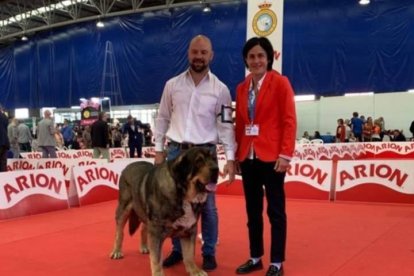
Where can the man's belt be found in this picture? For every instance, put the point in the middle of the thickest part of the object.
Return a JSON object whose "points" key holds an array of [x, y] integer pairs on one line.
{"points": [[185, 146]]}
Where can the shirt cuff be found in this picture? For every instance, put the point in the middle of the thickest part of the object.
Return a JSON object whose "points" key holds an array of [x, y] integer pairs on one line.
{"points": [[286, 157], [159, 147], [230, 155]]}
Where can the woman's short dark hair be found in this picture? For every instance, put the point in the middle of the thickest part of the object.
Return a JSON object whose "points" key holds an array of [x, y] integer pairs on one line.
{"points": [[265, 44]]}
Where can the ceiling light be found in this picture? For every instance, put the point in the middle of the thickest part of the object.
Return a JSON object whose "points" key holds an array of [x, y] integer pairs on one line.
{"points": [[207, 8], [24, 38], [100, 24], [302, 98], [364, 2], [370, 93]]}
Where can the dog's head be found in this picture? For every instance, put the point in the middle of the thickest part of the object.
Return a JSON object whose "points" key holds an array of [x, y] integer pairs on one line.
{"points": [[195, 167]]}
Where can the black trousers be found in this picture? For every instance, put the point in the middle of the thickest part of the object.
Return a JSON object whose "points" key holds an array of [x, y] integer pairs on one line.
{"points": [[3, 158], [133, 147], [256, 174]]}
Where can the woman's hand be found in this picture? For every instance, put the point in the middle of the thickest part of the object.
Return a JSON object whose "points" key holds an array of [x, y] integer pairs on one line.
{"points": [[281, 165]]}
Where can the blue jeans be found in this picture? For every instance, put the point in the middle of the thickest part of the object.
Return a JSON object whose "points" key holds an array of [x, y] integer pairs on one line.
{"points": [[209, 217]]}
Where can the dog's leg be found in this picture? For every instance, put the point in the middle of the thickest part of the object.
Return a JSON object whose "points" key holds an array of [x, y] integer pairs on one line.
{"points": [[187, 246], [143, 248], [155, 245], [122, 214]]}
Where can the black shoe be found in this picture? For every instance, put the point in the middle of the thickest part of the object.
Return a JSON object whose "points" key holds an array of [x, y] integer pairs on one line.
{"points": [[209, 263], [274, 271], [174, 258], [249, 266]]}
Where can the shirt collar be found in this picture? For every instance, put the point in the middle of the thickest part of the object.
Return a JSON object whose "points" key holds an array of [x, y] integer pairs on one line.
{"points": [[259, 84], [207, 76]]}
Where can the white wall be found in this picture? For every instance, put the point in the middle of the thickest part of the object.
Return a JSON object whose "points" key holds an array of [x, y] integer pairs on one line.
{"points": [[396, 108]]}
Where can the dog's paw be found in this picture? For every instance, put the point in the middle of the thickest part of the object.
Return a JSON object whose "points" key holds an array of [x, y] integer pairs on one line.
{"points": [[115, 255], [143, 249], [199, 273]]}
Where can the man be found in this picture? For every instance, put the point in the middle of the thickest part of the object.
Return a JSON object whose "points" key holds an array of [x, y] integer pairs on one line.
{"points": [[188, 116], [135, 136], [68, 134], [24, 137], [100, 137], [4, 140], [357, 125], [13, 137], [46, 136]]}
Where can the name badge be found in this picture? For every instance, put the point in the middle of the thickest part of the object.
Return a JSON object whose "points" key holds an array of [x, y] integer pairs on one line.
{"points": [[252, 130]]}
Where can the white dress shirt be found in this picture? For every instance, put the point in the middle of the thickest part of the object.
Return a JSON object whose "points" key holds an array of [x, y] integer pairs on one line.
{"points": [[190, 114], [258, 86]]}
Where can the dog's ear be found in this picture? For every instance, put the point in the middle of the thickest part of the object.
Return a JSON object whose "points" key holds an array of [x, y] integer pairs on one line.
{"points": [[181, 168]]}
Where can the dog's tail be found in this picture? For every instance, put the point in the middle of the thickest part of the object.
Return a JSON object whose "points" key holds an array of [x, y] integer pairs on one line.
{"points": [[134, 222]]}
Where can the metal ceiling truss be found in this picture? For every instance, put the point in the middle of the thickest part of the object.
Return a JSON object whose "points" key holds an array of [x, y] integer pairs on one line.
{"points": [[20, 18]]}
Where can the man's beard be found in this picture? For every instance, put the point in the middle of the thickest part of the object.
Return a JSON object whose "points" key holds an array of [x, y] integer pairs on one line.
{"points": [[198, 68]]}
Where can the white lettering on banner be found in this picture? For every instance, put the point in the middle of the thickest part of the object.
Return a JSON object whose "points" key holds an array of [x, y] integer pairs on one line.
{"points": [[19, 185], [317, 175], [397, 175]]}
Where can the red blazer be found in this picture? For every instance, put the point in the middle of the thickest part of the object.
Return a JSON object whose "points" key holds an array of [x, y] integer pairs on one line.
{"points": [[275, 115]]}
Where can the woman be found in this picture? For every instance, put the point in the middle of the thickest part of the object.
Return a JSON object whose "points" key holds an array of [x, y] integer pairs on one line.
{"points": [[340, 131], [367, 129], [265, 134]]}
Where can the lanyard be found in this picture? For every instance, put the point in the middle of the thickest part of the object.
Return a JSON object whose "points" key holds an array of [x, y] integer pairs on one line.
{"points": [[252, 103]]}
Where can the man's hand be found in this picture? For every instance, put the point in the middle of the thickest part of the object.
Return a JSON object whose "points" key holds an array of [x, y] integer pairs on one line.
{"points": [[230, 170], [159, 157]]}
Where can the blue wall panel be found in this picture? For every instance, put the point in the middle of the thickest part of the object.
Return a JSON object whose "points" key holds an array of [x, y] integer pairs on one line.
{"points": [[330, 47]]}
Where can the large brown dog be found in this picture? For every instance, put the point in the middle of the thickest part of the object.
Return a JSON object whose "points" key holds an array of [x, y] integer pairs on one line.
{"points": [[167, 199]]}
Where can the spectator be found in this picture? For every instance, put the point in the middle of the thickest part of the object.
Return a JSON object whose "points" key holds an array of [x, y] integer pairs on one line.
{"points": [[100, 137], [46, 136], [348, 130], [357, 125], [135, 136], [86, 135], [24, 137], [13, 137], [340, 131], [367, 130], [317, 135], [412, 129], [398, 136], [376, 131], [4, 140], [68, 134], [116, 137]]}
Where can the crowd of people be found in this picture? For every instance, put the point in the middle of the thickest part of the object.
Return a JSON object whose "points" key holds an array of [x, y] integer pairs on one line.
{"points": [[361, 129], [48, 137]]}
